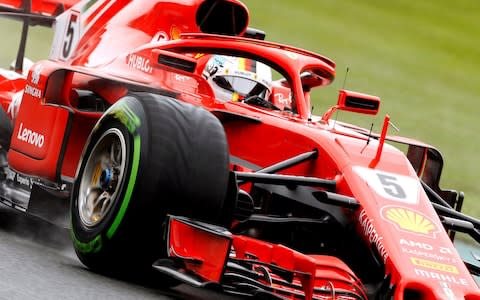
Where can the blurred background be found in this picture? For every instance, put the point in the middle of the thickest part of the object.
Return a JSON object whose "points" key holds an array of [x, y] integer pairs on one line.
{"points": [[421, 58]]}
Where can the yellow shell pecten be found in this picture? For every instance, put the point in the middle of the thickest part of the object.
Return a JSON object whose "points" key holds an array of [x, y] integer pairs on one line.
{"points": [[410, 221]]}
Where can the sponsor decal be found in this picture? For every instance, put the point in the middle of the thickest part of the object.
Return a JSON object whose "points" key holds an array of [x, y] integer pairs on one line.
{"points": [[372, 235], [429, 255], [185, 82], [36, 74], [15, 104], [414, 244], [33, 91], [181, 78], [31, 137], [280, 98], [441, 277], [428, 264], [245, 74], [17, 178], [140, 63], [409, 220], [425, 250], [175, 32], [425, 246], [24, 181], [448, 291]]}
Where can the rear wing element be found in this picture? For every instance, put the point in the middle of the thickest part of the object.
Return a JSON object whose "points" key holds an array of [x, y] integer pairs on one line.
{"points": [[31, 13], [41, 12]]}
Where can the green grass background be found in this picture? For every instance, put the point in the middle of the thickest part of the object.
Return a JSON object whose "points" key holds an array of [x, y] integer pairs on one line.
{"points": [[421, 57]]}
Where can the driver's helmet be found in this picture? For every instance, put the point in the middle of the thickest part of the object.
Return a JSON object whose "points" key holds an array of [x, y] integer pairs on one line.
{"points": [[237, 78]]}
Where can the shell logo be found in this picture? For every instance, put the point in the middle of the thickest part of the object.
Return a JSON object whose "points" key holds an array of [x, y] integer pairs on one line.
{"points": [[409, 220]]}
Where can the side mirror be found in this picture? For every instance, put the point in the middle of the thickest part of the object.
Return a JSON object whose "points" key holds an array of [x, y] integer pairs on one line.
{"points": [[354, 102], [358, 102]]}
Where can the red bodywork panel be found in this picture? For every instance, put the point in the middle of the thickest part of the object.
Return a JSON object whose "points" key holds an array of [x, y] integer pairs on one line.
{"points": [[120, 46], [39, 131]]}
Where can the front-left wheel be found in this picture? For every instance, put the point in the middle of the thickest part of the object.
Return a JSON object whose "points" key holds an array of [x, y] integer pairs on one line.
{"points": [[149, 155]]}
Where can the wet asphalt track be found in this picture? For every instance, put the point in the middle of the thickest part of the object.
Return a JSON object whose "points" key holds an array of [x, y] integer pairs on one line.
{"points": [[37, 261]]}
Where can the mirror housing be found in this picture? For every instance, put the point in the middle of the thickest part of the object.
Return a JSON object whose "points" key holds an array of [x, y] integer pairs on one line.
{"points": [[354, 102], [174, 60], [358, 102]]}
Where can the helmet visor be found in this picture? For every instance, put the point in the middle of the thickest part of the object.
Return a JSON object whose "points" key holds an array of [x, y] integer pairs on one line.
{"points": [[244, 87]]}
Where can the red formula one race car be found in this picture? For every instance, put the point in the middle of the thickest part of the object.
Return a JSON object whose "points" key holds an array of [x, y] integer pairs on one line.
{"points": [[170, 137]]}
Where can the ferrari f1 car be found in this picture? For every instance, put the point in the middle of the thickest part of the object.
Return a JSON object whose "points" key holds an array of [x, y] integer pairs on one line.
{"points": [[172, 138]]}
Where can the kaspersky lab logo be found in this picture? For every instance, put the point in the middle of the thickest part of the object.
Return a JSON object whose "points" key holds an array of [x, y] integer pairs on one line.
{"points": [[29, 136]]}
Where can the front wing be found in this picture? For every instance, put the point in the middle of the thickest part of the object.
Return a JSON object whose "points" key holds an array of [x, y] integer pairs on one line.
{"points": [[205, 255]]}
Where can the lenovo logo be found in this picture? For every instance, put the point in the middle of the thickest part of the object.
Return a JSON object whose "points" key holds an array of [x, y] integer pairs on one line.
{"points": [[29, 136]]}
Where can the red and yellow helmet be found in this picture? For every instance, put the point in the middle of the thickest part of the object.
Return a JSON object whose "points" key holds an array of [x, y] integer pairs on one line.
{"points": [[237, 78]]}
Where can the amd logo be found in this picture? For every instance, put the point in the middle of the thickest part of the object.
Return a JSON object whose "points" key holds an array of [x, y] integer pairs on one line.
{"points": [[29, 136]]}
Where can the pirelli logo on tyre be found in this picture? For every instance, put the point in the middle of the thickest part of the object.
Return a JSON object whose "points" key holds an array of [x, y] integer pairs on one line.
{"points": [[126, 116], [428, 264]]}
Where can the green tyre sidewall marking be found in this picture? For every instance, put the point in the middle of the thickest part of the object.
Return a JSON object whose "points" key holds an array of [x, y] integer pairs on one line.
{"points": [[91, 247], [131, 121], [131, 184]]}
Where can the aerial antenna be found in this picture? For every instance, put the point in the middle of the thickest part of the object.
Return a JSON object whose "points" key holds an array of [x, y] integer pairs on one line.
{"points": [[345, 78], [343, 87], [368, 139]]}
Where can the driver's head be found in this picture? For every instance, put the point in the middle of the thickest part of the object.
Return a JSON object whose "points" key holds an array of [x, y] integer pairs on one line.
{"points": [[237, 78]]}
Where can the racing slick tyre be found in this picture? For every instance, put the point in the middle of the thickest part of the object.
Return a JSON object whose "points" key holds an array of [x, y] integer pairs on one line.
{"points": [[149, 155]]}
